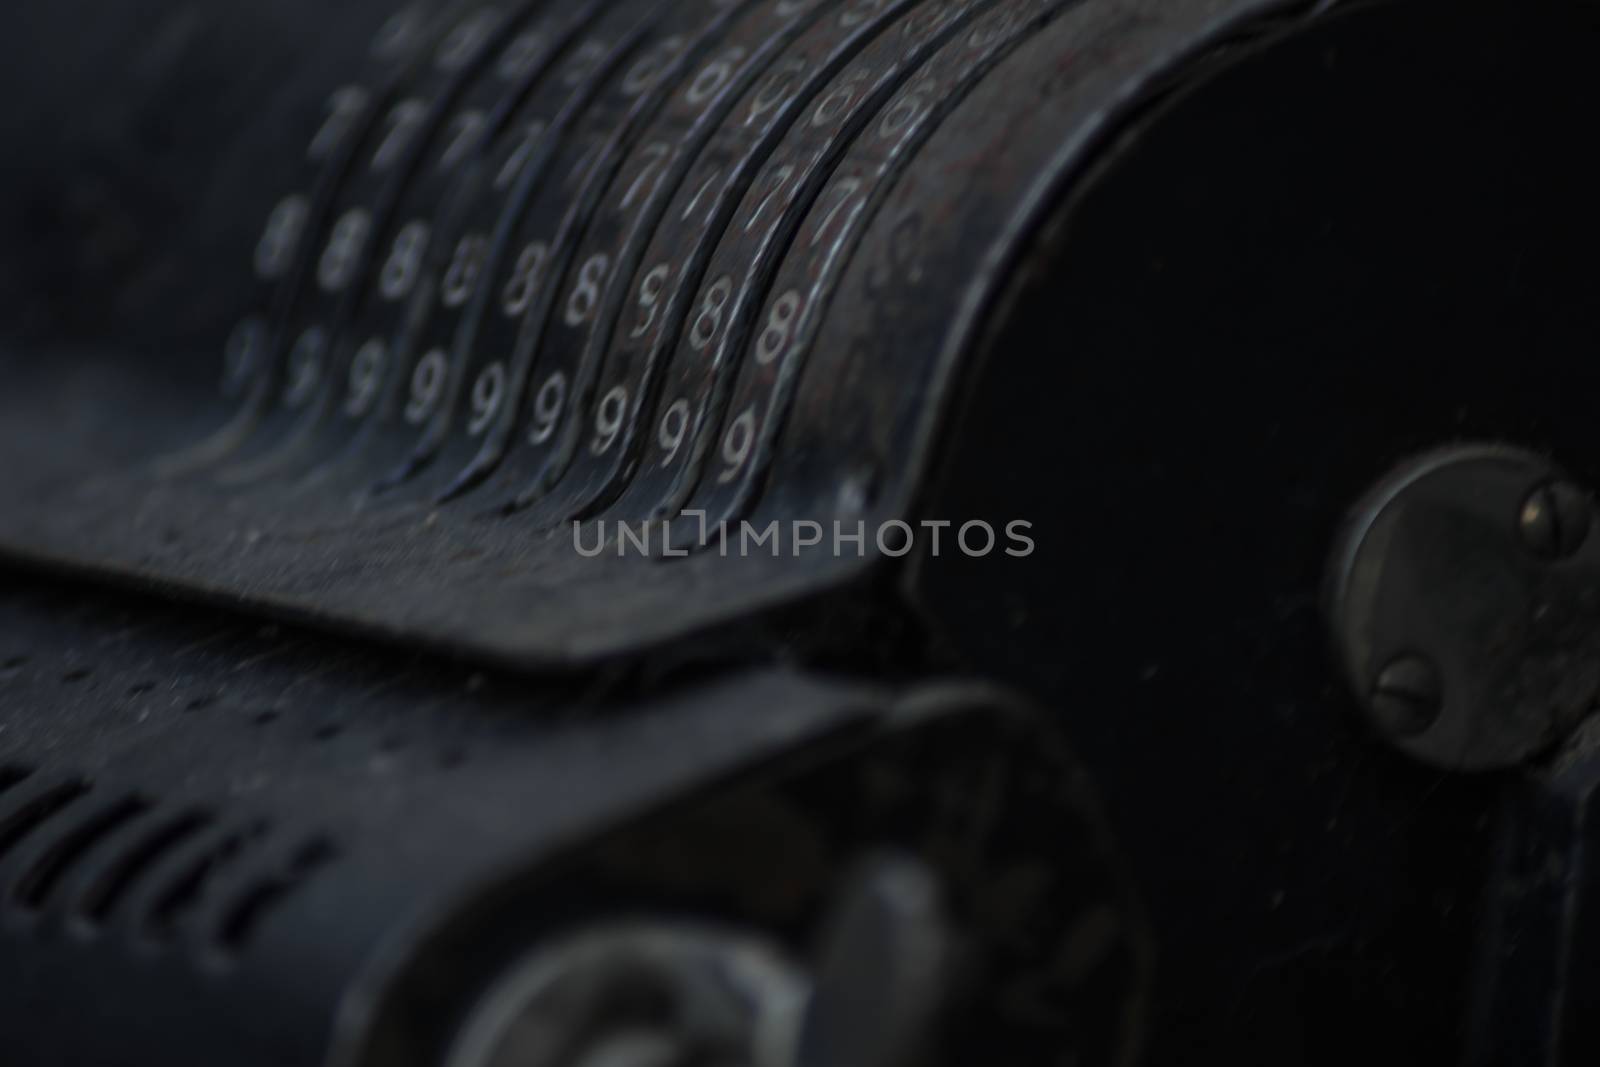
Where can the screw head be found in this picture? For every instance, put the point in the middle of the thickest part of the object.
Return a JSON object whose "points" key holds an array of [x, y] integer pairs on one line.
{"points": [[1408, 696], [1555, 519]]}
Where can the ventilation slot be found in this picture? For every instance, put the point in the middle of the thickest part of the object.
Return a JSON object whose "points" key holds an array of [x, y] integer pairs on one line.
{"points": [[189, 889], [34, 888], [120, 880], [256, 903], [36, 812]]}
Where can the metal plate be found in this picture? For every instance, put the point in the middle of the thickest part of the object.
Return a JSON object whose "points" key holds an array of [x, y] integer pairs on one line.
{"points": [[255, 844], [541, 272]]}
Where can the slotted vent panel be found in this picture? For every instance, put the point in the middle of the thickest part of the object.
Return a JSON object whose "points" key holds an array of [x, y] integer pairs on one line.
{"points": [[188, 890], [33, 812], [253, 906], [141, 856], [33, 890]]}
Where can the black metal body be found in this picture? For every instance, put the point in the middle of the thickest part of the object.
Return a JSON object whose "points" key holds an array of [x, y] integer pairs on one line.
{"points": [[1172, 282], [224, 841]]}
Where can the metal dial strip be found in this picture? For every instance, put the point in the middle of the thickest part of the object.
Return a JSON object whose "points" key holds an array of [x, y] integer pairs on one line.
{"points": [[686, 230], [862, 417], [540, 74], [720, 321], [693, 30], [824, 245], [843, 417], [608, 389], [594, 91], [535, 73], [282, 255], [484, 220], [362, 217], [627, 193], [484, 394], [372, 339], [731, 413]]}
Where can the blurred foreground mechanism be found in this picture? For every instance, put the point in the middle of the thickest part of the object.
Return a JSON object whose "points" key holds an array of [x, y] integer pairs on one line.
{"points": [[493, 494]]}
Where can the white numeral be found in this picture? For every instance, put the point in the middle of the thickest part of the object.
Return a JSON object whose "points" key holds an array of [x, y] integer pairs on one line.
{"points": [[674, 430], [654, 156], [463, 137], [709, 322], [521, 152], [521, 55], [780, 327], [400, 271], [366, 374], [305, 367], [714, 76], [344, 108], [461, 278], [525, 278], [780, 178], [487, 392], [609, 420], [647, 70], [427, 383], [340, 258], [404, 121], [586, 296], [463, 43], [843, 194], [650, 293], [396, 35], [240, 353], [547, 407], [737, 445], [280, 239]]}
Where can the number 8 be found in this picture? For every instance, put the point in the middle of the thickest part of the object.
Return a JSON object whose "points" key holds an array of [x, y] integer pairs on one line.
{"points": [[586, 297], [400, 272], [780, 326], [709, 323]]}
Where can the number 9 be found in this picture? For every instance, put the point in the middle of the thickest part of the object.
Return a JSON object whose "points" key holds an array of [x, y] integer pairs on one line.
{"points": [[427, 382], [366, 370], [674, 428], [487, 392], [608, 420], [737, 445]]}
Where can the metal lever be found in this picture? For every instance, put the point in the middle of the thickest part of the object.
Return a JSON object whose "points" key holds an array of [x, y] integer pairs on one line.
{"points": [[670, 994]]}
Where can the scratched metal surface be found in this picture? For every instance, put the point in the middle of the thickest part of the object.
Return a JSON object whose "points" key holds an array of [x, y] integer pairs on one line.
{"points": [[232, 841], [503, 268]]}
